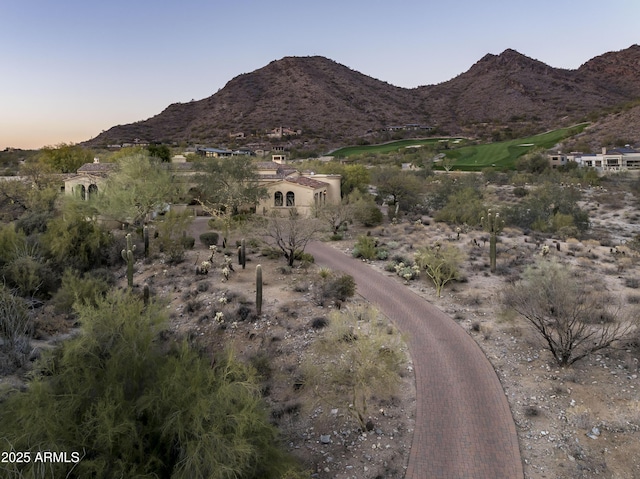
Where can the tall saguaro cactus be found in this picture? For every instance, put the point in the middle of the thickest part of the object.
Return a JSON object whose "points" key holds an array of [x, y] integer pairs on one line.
{"points": [[259, 290], [127, 255], [145, 235], [243, 253], [493, 224]]}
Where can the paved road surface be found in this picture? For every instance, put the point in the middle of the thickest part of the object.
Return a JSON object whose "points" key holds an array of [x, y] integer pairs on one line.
{"points": [[464, 427]]}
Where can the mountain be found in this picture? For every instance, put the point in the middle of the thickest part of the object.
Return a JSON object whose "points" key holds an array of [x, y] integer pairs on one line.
{"points": [[332, 104]]}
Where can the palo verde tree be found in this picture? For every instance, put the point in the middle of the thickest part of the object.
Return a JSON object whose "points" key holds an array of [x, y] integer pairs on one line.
{"points": [[139, 186], [572, 320], [441, 263], [123, 403], [225, 185], [65, 158], [361, 355]]}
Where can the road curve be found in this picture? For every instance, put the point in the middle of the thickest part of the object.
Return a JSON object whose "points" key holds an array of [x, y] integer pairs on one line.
{"points": [[464, 427]]}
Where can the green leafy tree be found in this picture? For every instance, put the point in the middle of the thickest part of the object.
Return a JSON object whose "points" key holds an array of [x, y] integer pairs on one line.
{"points": [[404, 188], [160, 152], [65, 158], [128, 408], [139, 186], [441, 263], [358, 355]]}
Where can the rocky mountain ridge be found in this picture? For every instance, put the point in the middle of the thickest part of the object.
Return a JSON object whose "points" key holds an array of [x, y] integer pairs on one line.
{"points": [[333, 105]]}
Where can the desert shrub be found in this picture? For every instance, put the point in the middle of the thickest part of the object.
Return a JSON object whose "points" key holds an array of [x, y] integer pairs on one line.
{"points": [[34, 222], [304, 257], [209, 238], [348, 368], [334, 288], [271, 252], [115, 395], [85, 288], [633, 283], [463, 207], [365, 247], [16, 329], [188, 242], [366, 212], [319, 322], [520, 192], [172, 240], [548, 209], [382, 254], [29, 272], [73, 241]]}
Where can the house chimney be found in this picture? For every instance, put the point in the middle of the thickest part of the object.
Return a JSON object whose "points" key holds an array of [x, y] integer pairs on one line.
{"points": [[604, 150], [96, 160]]}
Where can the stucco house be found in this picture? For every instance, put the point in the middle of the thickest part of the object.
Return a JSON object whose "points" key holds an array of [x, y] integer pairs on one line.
{"points": [[287, 187], [88, 179]]}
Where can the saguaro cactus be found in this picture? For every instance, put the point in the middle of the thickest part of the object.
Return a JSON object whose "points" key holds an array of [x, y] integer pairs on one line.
{"points": [[145, 235], [243, 253], [259, 290], [145, 294], [127, 255], [493, 224]]}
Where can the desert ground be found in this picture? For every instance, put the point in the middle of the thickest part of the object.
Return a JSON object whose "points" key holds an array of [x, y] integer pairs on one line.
{"points": [[580, 421]]}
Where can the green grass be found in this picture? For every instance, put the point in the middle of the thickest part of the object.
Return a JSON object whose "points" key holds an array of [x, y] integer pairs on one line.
{"points": [[501, 155], [505, 153], [389, 147]]}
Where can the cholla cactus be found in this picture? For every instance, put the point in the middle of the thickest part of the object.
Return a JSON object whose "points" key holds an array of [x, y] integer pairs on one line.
{"points": [[127, 255], [545, 250], [213, 248], [225, 273], [493, 224], [219, 317]]}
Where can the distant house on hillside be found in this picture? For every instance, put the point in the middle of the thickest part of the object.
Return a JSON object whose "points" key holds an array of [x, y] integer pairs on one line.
{"points": [[617, 159]]}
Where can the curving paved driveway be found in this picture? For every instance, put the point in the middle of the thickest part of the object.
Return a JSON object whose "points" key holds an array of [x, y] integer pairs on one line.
{"points": [[464, 427]]}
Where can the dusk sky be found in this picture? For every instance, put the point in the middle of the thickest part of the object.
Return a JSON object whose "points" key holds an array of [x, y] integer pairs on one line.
{"points": [[72, 68]]}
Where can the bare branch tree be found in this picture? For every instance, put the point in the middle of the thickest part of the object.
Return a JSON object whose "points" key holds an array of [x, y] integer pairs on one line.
{"points": [[291, 233], [573, 321]]}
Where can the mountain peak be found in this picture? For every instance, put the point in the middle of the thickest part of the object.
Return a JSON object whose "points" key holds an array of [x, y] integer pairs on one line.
{"points": [[332, 104]]}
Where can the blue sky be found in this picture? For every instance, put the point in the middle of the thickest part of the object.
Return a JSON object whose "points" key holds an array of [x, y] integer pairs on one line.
{"points": [[72, 68]]}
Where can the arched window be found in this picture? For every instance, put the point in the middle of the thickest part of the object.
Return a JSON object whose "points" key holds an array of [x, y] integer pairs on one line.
{"points": [[278, 200], [93, 190], [291, 198], [83, 192]]}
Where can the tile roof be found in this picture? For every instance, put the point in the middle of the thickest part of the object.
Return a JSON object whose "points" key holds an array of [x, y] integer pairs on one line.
{"points": [[96, 167], [309, 182]]}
